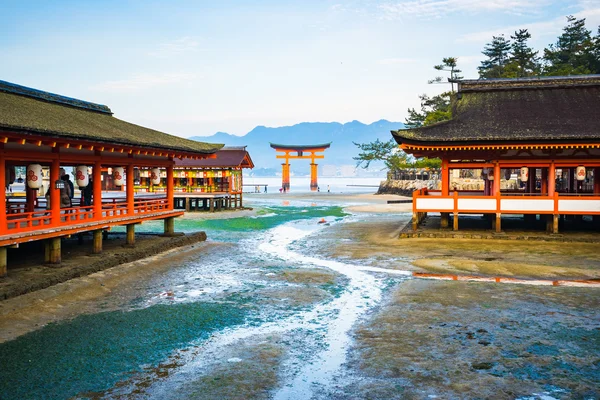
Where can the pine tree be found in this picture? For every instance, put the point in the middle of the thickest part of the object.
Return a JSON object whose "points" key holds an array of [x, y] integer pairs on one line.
{"points": [[524, 61], [573, 52], [498, 54], [448, 64]]}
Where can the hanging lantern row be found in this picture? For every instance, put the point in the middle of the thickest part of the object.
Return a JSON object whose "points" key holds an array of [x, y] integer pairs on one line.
{"points": [[34, 176], [118, 173], [580, 173], [82, 177], [524, 174]]}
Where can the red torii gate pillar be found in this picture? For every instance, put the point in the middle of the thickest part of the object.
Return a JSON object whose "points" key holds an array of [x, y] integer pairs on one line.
{"points": [[300, 154]]}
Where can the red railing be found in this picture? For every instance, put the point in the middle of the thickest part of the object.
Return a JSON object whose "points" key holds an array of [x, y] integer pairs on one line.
{"points": [[17, 220]]}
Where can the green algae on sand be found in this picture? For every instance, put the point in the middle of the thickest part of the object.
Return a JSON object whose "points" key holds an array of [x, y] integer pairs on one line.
{"points": [[93, 352]]}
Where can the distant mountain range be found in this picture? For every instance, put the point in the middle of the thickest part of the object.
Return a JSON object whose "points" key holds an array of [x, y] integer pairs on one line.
{"points": [[340, 135]]}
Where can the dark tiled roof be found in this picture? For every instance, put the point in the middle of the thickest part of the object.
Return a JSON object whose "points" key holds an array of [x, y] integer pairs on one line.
{"points": [[517, 110], [35, 112], [300, 147], [226, 158]]}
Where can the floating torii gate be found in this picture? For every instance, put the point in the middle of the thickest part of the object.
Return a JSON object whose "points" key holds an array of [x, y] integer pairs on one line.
{"points": [[300, 151]]}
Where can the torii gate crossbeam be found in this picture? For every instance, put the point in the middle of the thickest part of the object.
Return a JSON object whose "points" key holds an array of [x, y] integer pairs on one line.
{"points": [[288, 152]]}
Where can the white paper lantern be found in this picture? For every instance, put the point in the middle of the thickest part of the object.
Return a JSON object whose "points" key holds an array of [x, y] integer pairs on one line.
{"points": [[34, 176], [155, 176], [118, 174], [524, 174], [580, 173], [81, 176]]}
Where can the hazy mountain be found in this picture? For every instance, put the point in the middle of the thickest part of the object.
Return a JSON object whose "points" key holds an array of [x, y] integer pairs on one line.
{"points": [[341, 137]]}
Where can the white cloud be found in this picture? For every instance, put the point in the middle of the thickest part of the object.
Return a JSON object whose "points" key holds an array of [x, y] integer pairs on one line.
{"points": [[433, 9], [182, 45], [552, 27], [143, 81]]}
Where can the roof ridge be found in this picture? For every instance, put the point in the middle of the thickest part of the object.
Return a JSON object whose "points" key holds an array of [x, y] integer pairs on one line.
{"points": [[539, 82], [13, 88]]}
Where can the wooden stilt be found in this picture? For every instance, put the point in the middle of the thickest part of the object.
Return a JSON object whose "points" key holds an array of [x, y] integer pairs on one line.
{"points": [[3, 263], [444, 220], [455, 222], [130, 241], [555, 223], [187, 204], [53, 251], [169, 226], [212, 205], [498, 222], [97, 247], [415, 221]]}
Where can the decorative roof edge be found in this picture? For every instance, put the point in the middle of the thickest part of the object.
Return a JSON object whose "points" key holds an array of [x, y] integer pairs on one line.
{"points": [[300, 146], [540, 82], [13, 88]]}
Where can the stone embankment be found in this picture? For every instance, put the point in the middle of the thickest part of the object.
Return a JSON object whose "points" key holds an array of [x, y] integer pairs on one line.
{"points": [[406, 188]]}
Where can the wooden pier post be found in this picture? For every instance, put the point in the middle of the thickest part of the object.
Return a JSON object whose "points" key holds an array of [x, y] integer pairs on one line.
{"points": [[130, 241], [97, 247], [555, 223], [455, 221], [53, 251], [3, 262], [498, 222], [169, 226], [444, 220]]}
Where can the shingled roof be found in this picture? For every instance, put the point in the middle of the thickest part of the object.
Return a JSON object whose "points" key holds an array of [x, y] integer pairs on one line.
{"points": [[32, 111], [235, 157], [552, 109]]}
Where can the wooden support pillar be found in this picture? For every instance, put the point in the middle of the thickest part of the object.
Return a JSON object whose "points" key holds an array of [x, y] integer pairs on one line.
{"points": [[444, 220], [130, 194], [212, 205], [544, 186], [3, 262], [496, 179], [455, 222], [445, 178], [314, 185], [97, 247], [415, 221], [3, 222], [241, 200], [169, 226], [97, 189], [498, 222], [130, 241], [551, 179], [54, 193], [555, 223], [170, 188], [53, 251], [187, 203], [285, 175]]}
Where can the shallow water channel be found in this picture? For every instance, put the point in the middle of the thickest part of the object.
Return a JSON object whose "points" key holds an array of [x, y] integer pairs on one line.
{"points": [[268, 285]]}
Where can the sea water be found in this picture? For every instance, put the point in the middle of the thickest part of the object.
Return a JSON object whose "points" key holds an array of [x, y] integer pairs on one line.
{"points": [[209, 301]]}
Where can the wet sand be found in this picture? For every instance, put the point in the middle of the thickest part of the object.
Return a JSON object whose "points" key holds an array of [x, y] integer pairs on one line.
{"points": [[425, 338]]}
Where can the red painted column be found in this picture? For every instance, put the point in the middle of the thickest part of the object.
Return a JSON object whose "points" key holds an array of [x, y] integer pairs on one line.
{"points": [[496, 179], [97, 178], [170, 191], [544, 186], [313, 177], [129, 189], [445, 178], [54, 193], [551, 179], [3, 223], [285, 175]]}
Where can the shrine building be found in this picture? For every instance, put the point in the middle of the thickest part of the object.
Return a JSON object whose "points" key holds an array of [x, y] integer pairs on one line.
{"points": [[542, 134], [43, 131], [212, 183]]}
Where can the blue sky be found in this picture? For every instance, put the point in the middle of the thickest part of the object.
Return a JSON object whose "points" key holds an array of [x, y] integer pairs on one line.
{"points": [[198, 67]]}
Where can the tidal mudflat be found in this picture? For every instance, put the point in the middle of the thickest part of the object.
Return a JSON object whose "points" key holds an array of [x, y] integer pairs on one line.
{"points": [[313, 298]]}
